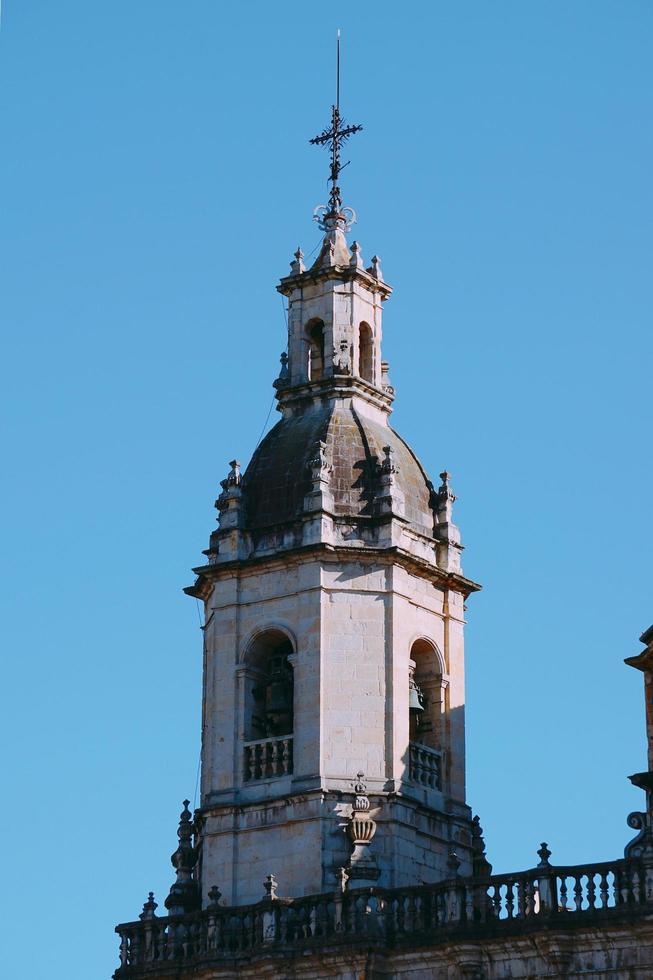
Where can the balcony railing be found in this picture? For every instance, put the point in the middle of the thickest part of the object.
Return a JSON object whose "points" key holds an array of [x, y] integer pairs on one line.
{"points": [[267, 758], [458, 907], [425, 765]]}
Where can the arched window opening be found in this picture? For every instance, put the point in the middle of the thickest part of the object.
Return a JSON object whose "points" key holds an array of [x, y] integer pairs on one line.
{"points": [[366, 353], [425, 694], [269, 687], [315, 336]]}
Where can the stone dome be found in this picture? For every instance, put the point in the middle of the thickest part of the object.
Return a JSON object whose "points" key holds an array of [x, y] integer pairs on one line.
{"points": [[279, 474]]}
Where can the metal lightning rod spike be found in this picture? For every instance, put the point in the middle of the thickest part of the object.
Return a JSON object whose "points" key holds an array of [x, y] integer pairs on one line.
{"points": [[338, 70]]}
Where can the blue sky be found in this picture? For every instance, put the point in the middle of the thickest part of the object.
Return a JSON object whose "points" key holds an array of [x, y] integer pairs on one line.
{"points": [[155, 179]]}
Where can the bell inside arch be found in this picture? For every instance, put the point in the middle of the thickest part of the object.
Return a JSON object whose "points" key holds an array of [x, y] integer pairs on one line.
{"points": [[416, 699], [279, 695], [415, 696]]}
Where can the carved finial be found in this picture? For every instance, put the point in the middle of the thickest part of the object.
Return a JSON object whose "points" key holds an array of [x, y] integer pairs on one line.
{"points": [[445, 488], [214, 896], [386, 383], [297, 266], [477, 835], [271, 885], [356, 256], [445, 499], [283, 378], [544, 854], [183, 896], [480, 864], [389, 465], [453, 863], [234, 478], [376, 268], [319, 465], [149, 908], [360, 830]]}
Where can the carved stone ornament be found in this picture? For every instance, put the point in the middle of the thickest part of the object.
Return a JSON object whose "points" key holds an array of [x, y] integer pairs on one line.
{"points": [[361, 827], [356, 256], [270, 885], [284, 375], [389, 465], [297, 266], [319, 465], [638, 820], [481, 867], [149, 908], [342, 358], [184, 896]]}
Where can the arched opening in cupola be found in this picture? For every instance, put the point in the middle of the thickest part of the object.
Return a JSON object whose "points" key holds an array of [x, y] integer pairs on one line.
{"points": [[315, 339], [366, 353]]}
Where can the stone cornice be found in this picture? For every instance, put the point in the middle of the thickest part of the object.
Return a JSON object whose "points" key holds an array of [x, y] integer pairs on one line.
{"points": [[342, 273], [207, 574], [336, 386]]}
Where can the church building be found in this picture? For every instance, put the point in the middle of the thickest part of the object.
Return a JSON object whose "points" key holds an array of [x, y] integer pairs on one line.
{"points": [[333, 836]]}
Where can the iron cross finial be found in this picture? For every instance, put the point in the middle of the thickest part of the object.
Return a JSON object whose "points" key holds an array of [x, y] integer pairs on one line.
{"points": [[337, 134]]}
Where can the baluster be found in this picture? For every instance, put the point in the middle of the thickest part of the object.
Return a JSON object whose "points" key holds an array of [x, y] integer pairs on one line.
{"points": [[510, 900], [148, 955], [635, 885], [285, 756], [621, 881], [163, 942], [123, 950], [591, 892], [496, 900], [276, 758], [468, 902], [521, 899], [400, 917], [481, 903], [135, 949], [211, 931], [322, 918], [529, 903], [411, 912], [603, 889], [427, 908], [563, 894], [578, 893], [441, 908], [183, 931]]}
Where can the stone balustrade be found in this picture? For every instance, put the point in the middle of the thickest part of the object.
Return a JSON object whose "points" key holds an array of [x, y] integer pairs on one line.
{"points": [[268, 758], [425, 765], [458, 907]]}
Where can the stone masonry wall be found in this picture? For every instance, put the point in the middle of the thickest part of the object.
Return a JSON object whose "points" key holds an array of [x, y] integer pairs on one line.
{"points": [[352, 624]]}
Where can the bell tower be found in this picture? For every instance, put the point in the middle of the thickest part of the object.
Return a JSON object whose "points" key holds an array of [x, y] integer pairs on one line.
{"points": [[333, 737]]}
